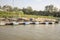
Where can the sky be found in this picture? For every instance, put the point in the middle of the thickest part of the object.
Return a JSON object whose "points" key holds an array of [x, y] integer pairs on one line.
{"points": [[35, 4]]}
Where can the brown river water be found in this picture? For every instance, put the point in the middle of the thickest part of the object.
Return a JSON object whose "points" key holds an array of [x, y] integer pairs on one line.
{"points": [[30, 32]]}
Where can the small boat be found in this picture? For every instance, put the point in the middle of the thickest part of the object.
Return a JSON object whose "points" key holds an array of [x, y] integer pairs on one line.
{"points": [[46, 22], [9, 23], [56, 21], [49, 22], [27, 23]]}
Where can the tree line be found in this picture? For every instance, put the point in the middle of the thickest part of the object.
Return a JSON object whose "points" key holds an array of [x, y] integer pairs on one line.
{"points": [[9, 11]]}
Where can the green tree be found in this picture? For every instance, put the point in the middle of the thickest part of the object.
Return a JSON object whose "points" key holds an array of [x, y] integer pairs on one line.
{"points": [[7, 8], [51, 8], [16, 9], [29, 8]]}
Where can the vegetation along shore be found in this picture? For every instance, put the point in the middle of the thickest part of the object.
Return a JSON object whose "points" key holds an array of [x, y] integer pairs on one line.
{"points": [[11, 14]]}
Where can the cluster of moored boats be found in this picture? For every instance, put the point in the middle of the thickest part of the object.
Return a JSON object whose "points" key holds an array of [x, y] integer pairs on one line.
{"points": [[25, 23]]}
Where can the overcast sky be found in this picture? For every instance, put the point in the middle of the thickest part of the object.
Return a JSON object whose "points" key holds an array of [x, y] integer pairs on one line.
{"points": [[35, 4]]}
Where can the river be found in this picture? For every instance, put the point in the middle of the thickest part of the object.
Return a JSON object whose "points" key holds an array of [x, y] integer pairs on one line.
{"points": [[30, 32]]}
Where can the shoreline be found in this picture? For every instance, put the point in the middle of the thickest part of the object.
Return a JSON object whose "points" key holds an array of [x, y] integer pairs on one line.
{"points": [[23, 21]]}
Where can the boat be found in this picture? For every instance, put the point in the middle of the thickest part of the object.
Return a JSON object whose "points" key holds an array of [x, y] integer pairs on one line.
{"points": [[9, 23], [46, 22], [27, 23]]}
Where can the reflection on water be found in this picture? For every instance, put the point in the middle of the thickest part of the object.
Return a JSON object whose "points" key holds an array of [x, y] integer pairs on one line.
{"points": [[30, 32]]}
